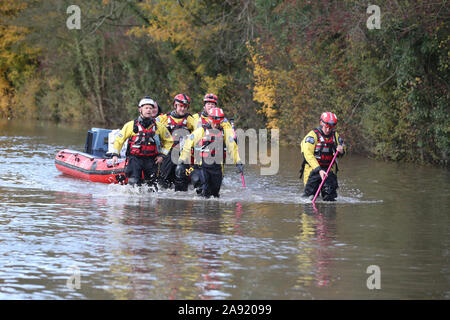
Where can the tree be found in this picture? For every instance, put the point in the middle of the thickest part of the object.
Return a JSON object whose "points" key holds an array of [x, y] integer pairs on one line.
{"points": [[17, 60]]}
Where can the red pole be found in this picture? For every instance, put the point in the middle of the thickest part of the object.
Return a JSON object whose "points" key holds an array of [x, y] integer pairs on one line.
{"points": [[243, 180], [326, 175]]}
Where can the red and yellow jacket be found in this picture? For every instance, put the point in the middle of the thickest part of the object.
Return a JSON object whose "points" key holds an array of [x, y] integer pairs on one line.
{"points": [[318, 150], [130, 130]]}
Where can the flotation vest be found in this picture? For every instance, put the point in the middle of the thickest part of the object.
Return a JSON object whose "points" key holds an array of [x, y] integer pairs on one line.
{"points": [[144, 142], [173, 124], [202, 121], [209, 137], [323, 150]]}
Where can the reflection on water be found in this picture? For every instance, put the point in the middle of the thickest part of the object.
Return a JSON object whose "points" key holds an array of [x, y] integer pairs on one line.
{"points": [[261, 242], [317, 230], [168, 253]]}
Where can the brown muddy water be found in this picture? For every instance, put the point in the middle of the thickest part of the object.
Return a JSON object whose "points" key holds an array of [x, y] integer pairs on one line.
{"points": [[63, 238]]}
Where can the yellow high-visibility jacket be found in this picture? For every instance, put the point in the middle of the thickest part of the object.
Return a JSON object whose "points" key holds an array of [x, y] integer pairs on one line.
{"points": [[308, 146], [191, 123], [198, 121], [127, 132], [195, 137]]}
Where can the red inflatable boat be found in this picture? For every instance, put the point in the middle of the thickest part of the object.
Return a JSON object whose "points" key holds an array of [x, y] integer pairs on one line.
{"points": [[94, 163], [88, 167]]}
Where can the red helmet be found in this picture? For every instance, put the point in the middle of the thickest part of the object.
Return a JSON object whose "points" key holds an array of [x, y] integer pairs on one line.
{"points": [[182, 98], [210, 97], [216, 115], [328, 119]]}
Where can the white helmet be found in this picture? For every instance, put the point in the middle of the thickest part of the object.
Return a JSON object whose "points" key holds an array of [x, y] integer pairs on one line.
{"points": [[146, 100]]}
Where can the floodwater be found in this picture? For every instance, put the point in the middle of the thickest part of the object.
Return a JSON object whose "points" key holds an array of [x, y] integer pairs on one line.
{"points": [[387, 236]]}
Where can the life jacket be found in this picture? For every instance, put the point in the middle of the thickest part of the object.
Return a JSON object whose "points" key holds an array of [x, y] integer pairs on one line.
{"points": [[202, 121], [208, 138], [144, 143], [173, 124], [323, 150]]}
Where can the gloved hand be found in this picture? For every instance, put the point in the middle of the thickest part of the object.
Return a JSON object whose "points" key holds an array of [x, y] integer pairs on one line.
{"points": [[180, 170], [114, 158], [240, 167]]}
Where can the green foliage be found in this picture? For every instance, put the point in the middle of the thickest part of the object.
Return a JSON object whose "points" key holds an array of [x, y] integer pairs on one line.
{"points": [[408, 117], [277, 64], [17, 58], [389, 87]]}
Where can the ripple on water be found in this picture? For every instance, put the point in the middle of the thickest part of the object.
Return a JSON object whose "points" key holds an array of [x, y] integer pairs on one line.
{"points": [[232, 192]]}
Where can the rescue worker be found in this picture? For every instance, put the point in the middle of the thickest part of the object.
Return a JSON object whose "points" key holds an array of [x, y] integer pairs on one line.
{"points": [[210, 101], [149, 142], [318, 148], [156, 111], [209, 141], [179, 123]]}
